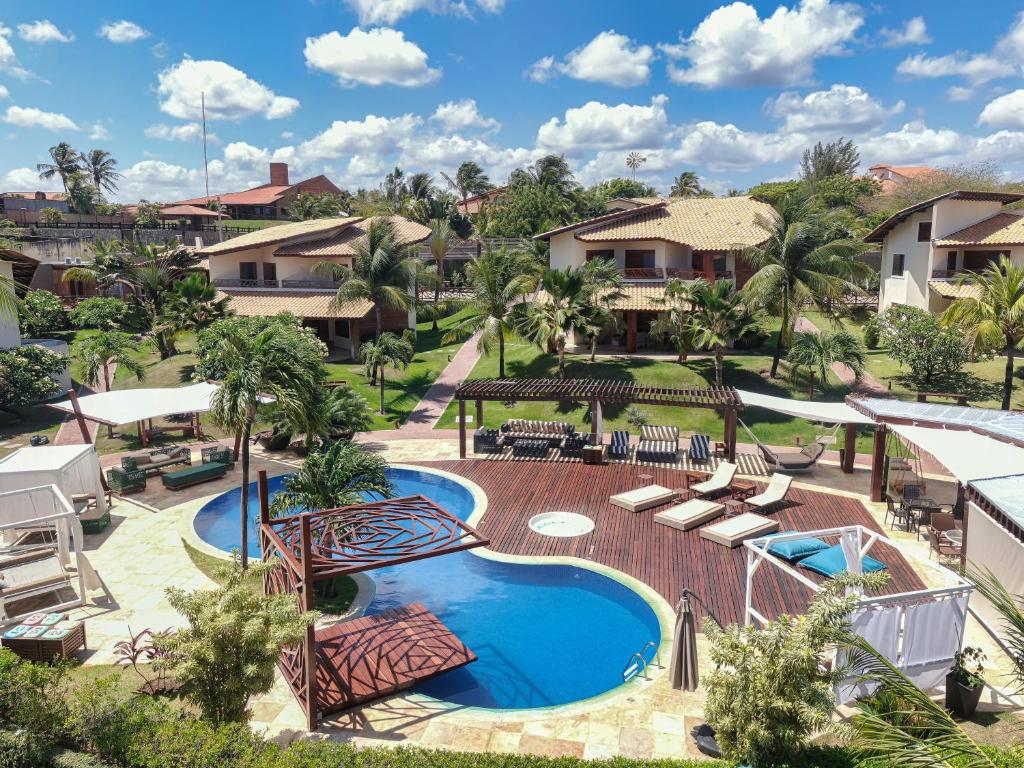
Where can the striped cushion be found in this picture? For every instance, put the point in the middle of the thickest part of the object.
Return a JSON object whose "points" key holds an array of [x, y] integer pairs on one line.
{"points": [[700, 447]]}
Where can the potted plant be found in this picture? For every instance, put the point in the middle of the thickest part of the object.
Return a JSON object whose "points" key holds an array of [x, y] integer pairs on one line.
{"points": [[964, 682]]}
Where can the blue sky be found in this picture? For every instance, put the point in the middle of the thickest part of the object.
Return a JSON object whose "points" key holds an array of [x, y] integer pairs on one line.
{"points": [[352, 87]]}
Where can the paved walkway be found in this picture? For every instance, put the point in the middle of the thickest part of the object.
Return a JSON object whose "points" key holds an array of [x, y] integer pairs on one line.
{"points": [[430, 409], [69, 433], [868, 385]]}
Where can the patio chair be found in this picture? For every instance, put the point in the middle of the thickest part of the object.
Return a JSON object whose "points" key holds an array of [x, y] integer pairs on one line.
{"points": [[619, 447], [700, 448], [718, 483], [937, 543], [772, 496], [29, 574]]}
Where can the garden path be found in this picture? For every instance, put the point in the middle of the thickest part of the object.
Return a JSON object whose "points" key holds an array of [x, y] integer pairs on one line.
{"points": [[868, 385]]}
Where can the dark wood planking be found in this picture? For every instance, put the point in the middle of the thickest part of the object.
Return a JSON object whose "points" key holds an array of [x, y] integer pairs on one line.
{"points": [[662, 557]]}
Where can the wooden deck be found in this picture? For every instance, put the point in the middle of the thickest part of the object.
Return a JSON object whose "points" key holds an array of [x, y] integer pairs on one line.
{"points": [[664, 558]]}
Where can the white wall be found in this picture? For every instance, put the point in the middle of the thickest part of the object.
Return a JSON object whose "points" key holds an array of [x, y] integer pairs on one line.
{"points": [[10, 333], [567, 251], [912, 287], [953, 215], [990, 545]]}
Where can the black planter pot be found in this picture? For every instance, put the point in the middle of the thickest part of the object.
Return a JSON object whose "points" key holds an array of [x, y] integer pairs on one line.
{"points": [[962, 699]]}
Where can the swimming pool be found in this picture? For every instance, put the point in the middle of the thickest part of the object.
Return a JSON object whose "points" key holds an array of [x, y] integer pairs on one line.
{"points": [[544, 634]]}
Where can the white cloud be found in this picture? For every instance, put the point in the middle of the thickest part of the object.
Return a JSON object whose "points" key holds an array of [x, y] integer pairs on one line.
{"points": [[446, 153], [600, 126], [287, 135], [375, 57], [915, 143], [841, 107], [27, 180], [974, 68], [98, 132], [733, 46], [1004, 111], [959, 93], [43, 31], [30, 117], [8, 59], [455, 115], [185, 132], [914, 32], [230, 93], [390, 11], [608, 58], [372, 135], [4, 93], [122, 31], [726, 147]]}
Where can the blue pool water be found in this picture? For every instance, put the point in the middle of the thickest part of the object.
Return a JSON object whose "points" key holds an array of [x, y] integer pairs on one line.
{"points": [[543, 634]]}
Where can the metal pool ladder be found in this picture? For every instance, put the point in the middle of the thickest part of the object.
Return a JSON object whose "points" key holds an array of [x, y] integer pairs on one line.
{"points": [[638, 662]]}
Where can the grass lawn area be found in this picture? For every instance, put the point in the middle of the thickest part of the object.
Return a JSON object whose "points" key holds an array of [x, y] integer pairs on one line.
{"points": [[745, 371], [403, 389], [253, 223]]}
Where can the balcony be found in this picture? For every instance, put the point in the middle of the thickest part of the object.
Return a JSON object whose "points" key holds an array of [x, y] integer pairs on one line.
{"points": [[228, 282], [660, 274], [298, 285]]}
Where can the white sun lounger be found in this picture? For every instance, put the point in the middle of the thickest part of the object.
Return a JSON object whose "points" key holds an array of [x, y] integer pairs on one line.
{"points": [[736, 530], [774, 494], [690, 514], [640, 499], [719, 481]]}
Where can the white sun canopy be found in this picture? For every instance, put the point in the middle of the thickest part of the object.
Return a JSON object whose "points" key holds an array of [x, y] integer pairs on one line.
{"points": [[833, 413], [73, 469], [967, 455]]}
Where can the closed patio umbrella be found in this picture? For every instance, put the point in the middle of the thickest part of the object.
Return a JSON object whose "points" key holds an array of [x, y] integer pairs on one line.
{"points": [[683, 667]]}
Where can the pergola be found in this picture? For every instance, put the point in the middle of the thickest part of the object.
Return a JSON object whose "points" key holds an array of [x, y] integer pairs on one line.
{"points": [[595, 392], [343, 665]]}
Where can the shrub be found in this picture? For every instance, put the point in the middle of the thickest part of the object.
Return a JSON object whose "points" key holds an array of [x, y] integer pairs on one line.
{"points": [[25, 375], [33, 696], [185, 741], [106, 720], [66, 758], [99, 312], [42, 313], [915, 339], [21, 749], [872, 333], [50, 217]]}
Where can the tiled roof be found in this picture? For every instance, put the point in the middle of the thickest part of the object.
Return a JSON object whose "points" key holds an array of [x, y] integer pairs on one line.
{"points": [[299, 303], [644, 298], [703, 223], [604, 217], [343, 243], [1001, 229], [189, 210], [265, 194], [278, 234], [878, 233], [31, 195], [949, 290]]}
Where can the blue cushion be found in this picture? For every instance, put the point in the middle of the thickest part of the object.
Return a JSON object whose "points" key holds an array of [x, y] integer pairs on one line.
{"points": [[700, 447], [795, 549], [832, 561]]}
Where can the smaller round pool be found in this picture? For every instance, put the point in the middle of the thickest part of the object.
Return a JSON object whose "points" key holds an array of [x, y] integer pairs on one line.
{"points": [[561, 524]]}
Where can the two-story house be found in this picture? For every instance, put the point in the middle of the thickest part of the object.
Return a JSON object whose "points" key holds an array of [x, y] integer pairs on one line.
{"points": [[269, 271], [927, 246], [653, 241]]}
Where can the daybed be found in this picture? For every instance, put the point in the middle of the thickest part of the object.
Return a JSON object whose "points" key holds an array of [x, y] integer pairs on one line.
{"points": [[832, 561], [28, 574], [735, 530], [192, 475], [718, 483], [690, 514], [640, 499], [158, 459], [526, 429], [793, 461], [657, 451], [772, 496]]}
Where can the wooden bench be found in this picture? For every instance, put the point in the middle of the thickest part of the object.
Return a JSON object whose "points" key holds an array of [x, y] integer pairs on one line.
{"points": [[198, 473]]}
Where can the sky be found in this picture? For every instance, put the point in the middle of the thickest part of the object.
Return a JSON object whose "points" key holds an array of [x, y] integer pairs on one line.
{"points": [[352, 88]]}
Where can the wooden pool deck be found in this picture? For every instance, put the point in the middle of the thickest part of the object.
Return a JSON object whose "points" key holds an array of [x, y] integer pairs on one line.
{"points": [[665, 559]]}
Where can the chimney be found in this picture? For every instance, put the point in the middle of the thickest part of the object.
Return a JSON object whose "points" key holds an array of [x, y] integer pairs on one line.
{"points": [[40, 195], [279, 174]]}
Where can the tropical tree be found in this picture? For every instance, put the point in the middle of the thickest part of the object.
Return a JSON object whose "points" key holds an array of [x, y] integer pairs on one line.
{"points": [[802, 261], [101, 168], [674, 325], [345, 412], [106, 314], [500, 281], [41, 312], [993, 317], [82, 196], [381, 272], [470, 179], [603, 285], [193, 304], [281, 362], [817, 352], [440, 242], [310, 205], [27, 376], [915, 338], [719, 318], [65, 161], [560, 311], [419, 187], [686, 184], [98, 354], [340, 474], [387, 349], [836, 158]]}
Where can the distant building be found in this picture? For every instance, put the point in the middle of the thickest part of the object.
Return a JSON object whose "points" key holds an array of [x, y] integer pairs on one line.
{"points": [[892, 176], [476, 203], [267, 201], [32, 201]]}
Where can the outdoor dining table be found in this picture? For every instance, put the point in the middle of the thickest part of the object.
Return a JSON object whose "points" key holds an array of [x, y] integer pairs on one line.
{"points": [[956, 536], [924, 505]]}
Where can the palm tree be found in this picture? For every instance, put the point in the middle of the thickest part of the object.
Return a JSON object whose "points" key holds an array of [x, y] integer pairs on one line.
{"points": [[718, 319], [470, 179], [335, 477], [801, 262], [500, 281], [686, 184], [388, 349], [66, 161], [563, 309], [266, 364], [381, 272], [193, 305], [674, 325], [818, 351], [420, 186], [345, 412], [553, 171], [101, 168], [440, 242], [98, 354], [993, 318], [603, 284]]}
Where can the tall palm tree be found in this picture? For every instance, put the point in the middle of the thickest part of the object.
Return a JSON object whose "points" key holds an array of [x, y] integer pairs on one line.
{"points": [[674, 324], [801, 262], [66, 161], [382, 272], [718, 319], [818, 351], [193, 304], [500, 281], [388, 349], [603, 286], [101, 168], [554, 171], [420, 186], [335, 477], [470, 179], [561, 311], [993, 318], [686, 184], [256, 366], [442, 238], [98, 354]]}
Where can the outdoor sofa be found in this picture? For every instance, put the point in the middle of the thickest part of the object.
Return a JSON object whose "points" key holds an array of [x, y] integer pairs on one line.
{"points": [[192, 475], [157, 459], [657, 451], [528, 429], [487, 441], [123, 480]]}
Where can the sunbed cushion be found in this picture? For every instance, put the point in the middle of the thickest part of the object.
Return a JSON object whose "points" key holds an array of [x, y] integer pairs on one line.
{"points": [[831, 561], [643, 498], [736, 530], [700, 448], [796, 549], [689, 514]]}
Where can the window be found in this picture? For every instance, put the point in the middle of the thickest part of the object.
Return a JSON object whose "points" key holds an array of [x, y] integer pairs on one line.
{"points": [[897, 264], [951, 261], [924, 231], [247, 270], [721, 265], [639, 259], [603, 253], [697, 262], [269, 271]]}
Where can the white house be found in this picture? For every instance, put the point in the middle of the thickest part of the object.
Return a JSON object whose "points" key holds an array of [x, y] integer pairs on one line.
{"points": [[927, 246]]}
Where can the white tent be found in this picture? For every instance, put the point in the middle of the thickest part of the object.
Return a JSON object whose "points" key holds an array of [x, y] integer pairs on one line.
{"points": [[124, 406], [74, 469], [831, 413], [967, 455]]}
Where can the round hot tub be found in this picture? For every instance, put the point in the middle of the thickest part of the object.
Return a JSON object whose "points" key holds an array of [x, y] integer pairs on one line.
{"points": [[561, 524]]}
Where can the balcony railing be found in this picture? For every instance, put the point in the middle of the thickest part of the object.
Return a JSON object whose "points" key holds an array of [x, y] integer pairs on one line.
{"points": [[230, 282], [643, 273], [659, 274], [322, 285]]}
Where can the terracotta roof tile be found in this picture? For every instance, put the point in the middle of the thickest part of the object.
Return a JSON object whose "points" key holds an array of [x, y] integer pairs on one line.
{"points": [[1001, 229], [279, 234], [189, 210], [645, 298], [951, 290], [299, 303], [343, 243], [266, 194]]}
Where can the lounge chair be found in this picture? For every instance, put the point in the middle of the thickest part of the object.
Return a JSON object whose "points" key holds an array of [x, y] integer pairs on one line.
{"points": [[832, 561], [619, 448], [640, 499], [657, 451], [700, 448], [792, 461], [690, 514], [772, 496], [29, 574], [735, 530], [125, 481], [718, 483]]}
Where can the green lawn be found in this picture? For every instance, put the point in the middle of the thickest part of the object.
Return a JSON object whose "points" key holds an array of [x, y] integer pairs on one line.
{"points": [[253, 223], [403, 389]]}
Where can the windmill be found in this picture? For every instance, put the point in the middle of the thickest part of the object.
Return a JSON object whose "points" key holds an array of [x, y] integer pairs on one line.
{"points": [[634, 160]]}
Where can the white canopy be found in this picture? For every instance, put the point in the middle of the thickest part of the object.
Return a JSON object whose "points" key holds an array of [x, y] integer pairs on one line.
{"points": [[967, 455], [833, 413], [74, 469], [123, 406]]}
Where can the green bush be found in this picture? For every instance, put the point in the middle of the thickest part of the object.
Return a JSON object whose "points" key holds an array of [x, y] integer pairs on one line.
{"points": [[105, 719], [872, 333], [99, 312], [21, 749], [66, 758], [185, 741], [42, 313], [33, 696]]}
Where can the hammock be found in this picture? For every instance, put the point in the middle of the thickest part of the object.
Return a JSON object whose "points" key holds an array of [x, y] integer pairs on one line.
{"points": [[794, 461]]}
